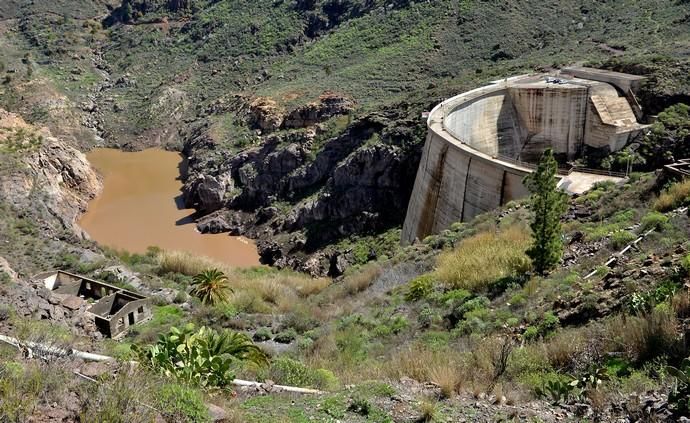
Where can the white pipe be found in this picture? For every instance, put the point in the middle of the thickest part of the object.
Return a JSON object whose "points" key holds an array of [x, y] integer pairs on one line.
{"points": [[52, 350], [240, 382], [97, 357]]}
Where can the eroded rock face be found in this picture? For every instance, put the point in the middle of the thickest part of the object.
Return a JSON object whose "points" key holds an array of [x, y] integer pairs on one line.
{"points": [[265, 114], [330, 104], [52, 175], [5, 267], [295, 192]]}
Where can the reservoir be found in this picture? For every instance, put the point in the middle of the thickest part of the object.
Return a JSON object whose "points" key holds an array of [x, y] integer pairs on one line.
{"points": [[141, 206]]}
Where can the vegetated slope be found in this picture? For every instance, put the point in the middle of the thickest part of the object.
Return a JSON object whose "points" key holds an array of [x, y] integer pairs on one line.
{"points": [[427, 332], [323, 98]]}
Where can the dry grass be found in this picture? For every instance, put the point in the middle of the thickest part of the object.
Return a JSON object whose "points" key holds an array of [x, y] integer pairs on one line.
{"points": [[484, 258], [673, 197], [448, 378], [447, 368], [282, 291], [362, 280], [681, 304], [187, 263], [429, 411], [564, 347], [303, 286], [644, 338], [249, 302]]}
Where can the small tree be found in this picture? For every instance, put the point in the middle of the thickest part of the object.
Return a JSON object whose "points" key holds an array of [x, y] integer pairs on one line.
{"points": [[211, 287], [548, 204]]}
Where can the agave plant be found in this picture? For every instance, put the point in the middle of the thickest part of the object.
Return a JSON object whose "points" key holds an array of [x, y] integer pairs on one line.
{"points": [[201, 357], [211, 287]]}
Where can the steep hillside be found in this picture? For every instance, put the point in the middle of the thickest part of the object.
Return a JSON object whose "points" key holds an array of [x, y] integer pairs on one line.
{"points": [[453, 329], [301, 121], [217, 78]]}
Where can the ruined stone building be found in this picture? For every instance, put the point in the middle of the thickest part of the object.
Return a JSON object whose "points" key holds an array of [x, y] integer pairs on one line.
{"points": [[113, 309]]}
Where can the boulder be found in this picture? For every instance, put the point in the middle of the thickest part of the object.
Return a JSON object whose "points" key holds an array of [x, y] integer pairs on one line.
{"points": [[216, 413], [95, 370], [211, 192], [213, 224], [72, 302], [338, 265]]}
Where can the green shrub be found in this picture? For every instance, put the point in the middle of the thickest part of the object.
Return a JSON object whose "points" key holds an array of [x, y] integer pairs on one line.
{"points": [[373, 388], [685, 264], [182, 404], [286, 336], [455, 297], [548, 324], [393, 325], [513, 322], [531, 333], [654, 220], [325, 379], [334, 407], [262, 334], [622, 238], [287, 371], [304, 344], [624, 217], [361, 406], [419, 288], [426, 316], [473, 305], [518, 299]]}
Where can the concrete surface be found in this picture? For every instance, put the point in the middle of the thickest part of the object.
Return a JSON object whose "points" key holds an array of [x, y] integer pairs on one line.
{"points": [[580, 182], [482, 143]]}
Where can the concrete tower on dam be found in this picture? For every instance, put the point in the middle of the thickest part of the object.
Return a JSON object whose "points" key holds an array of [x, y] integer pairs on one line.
{"points": [[482, 143]]}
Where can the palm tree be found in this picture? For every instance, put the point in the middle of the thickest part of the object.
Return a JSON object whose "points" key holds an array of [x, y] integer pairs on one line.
{"points": [[211, 287], [235, 344]]}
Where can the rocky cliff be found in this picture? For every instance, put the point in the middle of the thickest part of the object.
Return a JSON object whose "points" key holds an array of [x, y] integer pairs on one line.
{"points": [[298, 190], [43, 174]]}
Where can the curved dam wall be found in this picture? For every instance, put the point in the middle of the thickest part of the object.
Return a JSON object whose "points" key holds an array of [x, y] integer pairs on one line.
{"points": [[480, 144]]}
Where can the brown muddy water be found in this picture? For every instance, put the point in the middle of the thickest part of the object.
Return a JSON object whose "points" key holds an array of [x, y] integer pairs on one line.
{"points": [[141, 206]]}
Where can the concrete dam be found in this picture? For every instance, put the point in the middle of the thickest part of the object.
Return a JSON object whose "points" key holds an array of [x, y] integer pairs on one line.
{"points": [[482, 143]]}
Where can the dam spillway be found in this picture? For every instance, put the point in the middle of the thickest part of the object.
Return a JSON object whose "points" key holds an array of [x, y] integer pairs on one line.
{"points": [[481, 144]]}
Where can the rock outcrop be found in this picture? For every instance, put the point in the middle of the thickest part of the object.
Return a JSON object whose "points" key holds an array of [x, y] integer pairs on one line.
{"points": [[48, 174], [7, 270], [265, 114], [32, 300], [298, 190], [330, 104]]}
